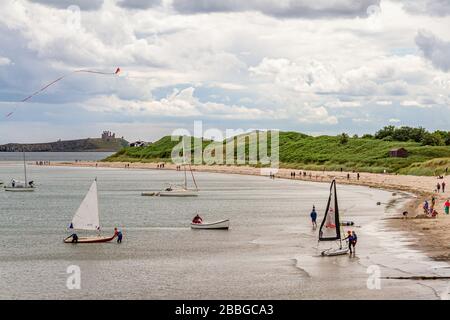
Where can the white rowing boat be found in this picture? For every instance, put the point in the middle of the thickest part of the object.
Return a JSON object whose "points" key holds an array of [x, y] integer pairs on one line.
{"points": [[222, 224]]}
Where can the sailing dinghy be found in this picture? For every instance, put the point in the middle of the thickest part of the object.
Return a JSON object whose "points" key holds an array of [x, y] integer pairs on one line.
{"points": [[21, 186], [330, 228], [87, 218], [176, 190]]}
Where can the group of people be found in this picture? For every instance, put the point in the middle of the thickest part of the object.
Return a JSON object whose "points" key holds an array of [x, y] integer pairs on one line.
{"points": [[440, 186], [42, 163], [428, 208], [160, 165]]}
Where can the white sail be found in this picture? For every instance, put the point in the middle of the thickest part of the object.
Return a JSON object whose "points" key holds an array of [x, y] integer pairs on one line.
{"points": [[87, 216]]}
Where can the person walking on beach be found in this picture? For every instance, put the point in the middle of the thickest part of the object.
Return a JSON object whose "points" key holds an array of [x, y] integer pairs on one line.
{"points": [[447, 206], [357, 175], [314, 217], [438, 187], [425, 207], [433, 203], [443, 186]]}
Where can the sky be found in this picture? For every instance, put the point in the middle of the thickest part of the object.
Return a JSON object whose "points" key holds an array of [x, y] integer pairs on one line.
{"points": [[318, 67]]}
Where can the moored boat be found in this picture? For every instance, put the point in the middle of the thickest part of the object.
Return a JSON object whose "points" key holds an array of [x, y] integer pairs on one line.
{"points": [[222, 224], [21, 186]]}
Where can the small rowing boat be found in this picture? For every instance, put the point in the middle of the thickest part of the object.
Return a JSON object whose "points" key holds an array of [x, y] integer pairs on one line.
{"points": [[222, 224]]}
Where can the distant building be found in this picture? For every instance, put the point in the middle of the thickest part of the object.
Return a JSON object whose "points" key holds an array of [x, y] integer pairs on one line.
{"points": [[139, 143], [398, 153], [108, 135]]}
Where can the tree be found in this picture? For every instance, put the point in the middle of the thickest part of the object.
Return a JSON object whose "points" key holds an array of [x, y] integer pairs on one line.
{"points": [[367, 136], [343, 138], [432, 139], [385, 132]]}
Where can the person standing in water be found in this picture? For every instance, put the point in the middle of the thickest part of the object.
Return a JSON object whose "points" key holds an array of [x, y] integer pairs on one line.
{"points": [[119, 235], [314, 217]]}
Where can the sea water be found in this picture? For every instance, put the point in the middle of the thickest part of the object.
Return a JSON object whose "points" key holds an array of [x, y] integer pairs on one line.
{"points": [[270, 252]]}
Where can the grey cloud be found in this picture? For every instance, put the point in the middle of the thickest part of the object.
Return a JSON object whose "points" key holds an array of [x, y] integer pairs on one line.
{"points": [[64, 4], [438, 8], [434, 49], [282, 9], [139, 4]]}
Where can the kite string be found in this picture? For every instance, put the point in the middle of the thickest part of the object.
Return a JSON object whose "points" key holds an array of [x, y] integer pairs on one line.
{"points": [[59, 79]]}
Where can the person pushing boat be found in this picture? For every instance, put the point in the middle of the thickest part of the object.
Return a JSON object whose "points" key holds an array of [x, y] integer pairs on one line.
{"points": [[118, 234], [352, 239]]}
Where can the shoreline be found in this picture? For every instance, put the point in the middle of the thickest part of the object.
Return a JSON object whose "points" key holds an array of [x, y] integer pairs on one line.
{"points": [[430, 235]]}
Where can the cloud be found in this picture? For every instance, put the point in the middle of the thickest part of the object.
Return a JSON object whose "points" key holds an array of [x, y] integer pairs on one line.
{"points": [[434, 49], [440, 8], [282, 9], [384, 103], [64, 4], [139, 4], [4, 61]]}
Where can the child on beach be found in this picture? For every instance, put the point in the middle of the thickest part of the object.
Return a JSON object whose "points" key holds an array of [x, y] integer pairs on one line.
{"points": [[314, 217]]}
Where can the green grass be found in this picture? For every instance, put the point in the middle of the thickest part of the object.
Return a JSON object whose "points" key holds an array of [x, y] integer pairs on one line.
{"points": [[299, 151]]}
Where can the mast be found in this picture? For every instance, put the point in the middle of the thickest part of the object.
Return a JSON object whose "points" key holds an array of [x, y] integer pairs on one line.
{"points": [[185, 176], [25, 168], [193, 179], [330, 226]]}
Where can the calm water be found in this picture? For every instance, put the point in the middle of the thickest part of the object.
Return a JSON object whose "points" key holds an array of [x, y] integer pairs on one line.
{"points": [[54, 156], [270, 251]]}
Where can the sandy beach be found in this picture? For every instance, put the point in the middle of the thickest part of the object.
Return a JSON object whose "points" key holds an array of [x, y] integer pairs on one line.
{"points": [[431, 235]]}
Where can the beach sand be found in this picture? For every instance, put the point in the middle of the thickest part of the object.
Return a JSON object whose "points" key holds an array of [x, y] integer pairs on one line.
{"points": [[431, 235]]}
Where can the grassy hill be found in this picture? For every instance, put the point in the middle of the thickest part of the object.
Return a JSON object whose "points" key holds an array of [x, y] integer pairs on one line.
{"points": [[301, 151]]}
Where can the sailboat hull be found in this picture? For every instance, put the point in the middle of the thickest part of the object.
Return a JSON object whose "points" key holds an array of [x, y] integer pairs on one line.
{"points": [[176, 193], [334, 252], [97, 239], [11, 189]]}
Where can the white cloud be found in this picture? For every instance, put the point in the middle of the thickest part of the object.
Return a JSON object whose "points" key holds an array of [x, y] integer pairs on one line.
{"points": [[384, 102], [4, 61]]}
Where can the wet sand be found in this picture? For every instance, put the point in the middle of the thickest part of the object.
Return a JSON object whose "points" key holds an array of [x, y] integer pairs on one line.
{"points": [[431, 235]]}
